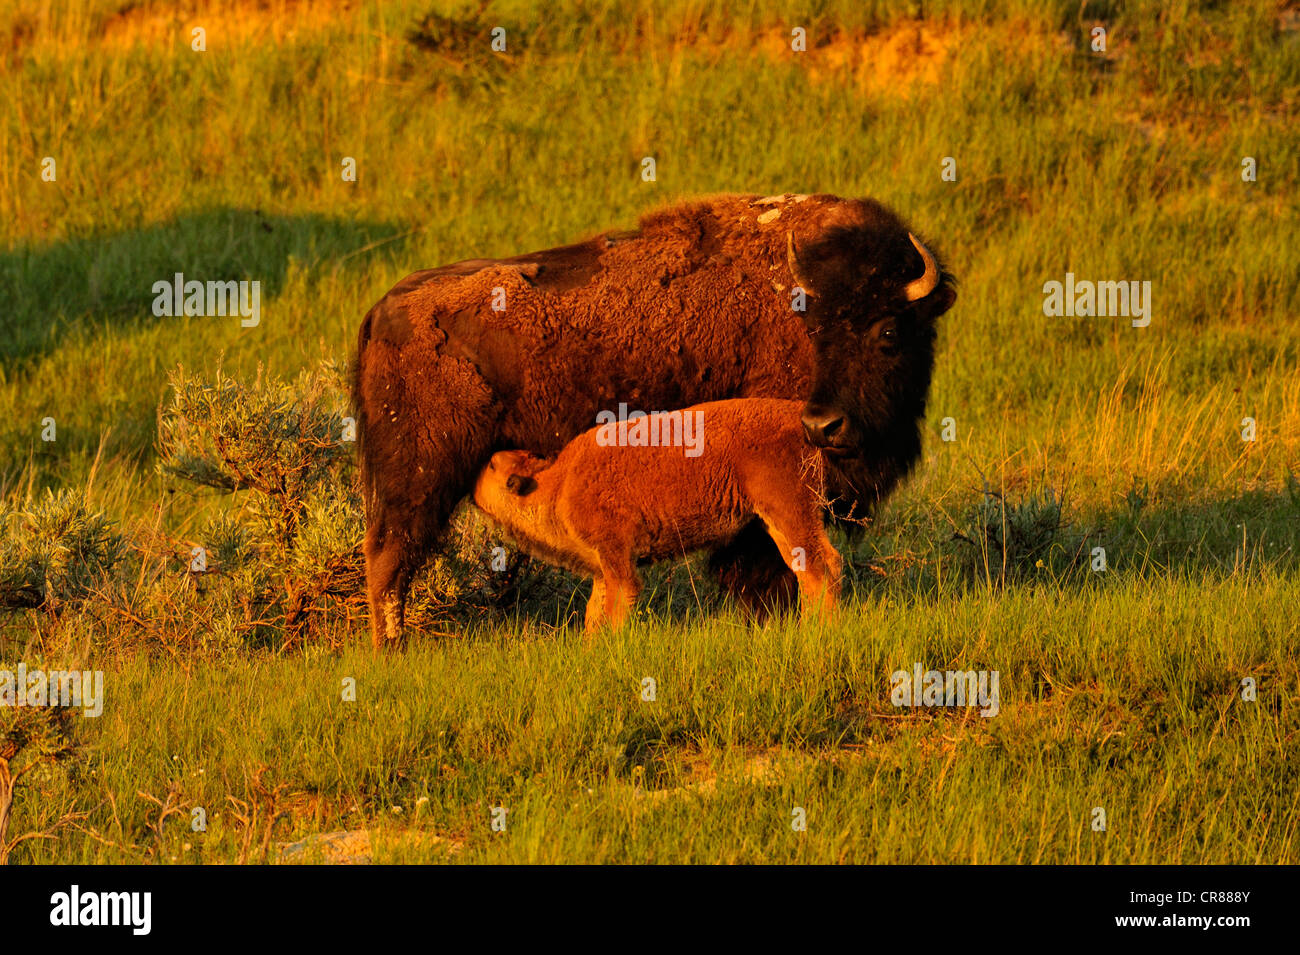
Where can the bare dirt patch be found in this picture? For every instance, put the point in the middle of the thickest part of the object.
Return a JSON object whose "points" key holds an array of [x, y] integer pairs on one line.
{"points": [[357, 846], [160, 25], [249, 20], [909, 54]]}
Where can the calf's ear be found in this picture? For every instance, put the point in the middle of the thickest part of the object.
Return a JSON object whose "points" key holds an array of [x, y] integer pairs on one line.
{"points": [[520, 484]]}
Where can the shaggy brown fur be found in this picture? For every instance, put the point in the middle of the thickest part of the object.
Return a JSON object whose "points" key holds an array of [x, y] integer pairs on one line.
{"points": [[599, 509], [694, 306]]}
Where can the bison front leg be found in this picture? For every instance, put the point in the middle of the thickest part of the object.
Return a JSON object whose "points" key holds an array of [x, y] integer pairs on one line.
{"points": [[595, 606], [403, 530], [801, 539], [819, 587], [752, 571], [619, 585]]}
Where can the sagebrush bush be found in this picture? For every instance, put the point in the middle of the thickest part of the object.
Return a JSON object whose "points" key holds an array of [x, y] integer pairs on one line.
{"points": [[289, 544], [1012, 537], [55, 550], [34, 741]]}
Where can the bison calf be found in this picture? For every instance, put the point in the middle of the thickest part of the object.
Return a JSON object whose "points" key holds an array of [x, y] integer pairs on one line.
{"points": [[619, 494]]}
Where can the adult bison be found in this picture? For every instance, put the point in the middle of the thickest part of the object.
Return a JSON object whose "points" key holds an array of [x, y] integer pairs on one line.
{"points": [[700, 303]]}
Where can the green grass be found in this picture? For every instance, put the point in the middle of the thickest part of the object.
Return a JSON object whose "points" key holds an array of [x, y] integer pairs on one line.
{"points": [[1124, 696], [1119, 690]]}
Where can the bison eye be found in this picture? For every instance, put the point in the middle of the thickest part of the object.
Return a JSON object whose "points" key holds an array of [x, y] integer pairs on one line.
{"points": [[888, 333]]}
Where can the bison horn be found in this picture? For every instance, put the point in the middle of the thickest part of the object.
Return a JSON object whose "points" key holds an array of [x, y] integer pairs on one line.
{"points": [[792, 259], [920, 288]]}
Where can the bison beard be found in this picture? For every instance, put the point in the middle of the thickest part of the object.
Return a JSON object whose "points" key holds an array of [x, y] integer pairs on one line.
{"points": [[694, 306]]}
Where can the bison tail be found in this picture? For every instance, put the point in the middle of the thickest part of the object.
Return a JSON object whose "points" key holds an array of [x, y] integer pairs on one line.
{"points": [[368, 496]]}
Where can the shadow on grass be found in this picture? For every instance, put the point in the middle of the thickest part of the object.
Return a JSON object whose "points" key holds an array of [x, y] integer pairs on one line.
{"points": [[1252, 532], [109, 278]]}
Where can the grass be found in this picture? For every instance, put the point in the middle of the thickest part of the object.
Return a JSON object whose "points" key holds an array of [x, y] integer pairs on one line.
{"points": [[1120, 690], [1124, 697]]}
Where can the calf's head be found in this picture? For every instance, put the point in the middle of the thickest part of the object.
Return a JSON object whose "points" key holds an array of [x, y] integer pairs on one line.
{"points": [[509, 475], [874, 294]]}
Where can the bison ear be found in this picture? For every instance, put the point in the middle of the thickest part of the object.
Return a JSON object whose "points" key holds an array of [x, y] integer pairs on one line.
{"points": [[520, 484], [939, 301]]}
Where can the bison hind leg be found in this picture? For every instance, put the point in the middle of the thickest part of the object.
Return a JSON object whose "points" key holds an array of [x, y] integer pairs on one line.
{"points": [[752, 571], [395, 551], [404, 528]]}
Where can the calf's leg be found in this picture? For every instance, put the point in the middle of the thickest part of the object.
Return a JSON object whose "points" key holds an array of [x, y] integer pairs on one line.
{"points": [[808, 552], [595, 605], [621, 586]]}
